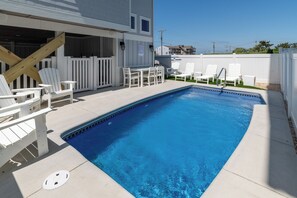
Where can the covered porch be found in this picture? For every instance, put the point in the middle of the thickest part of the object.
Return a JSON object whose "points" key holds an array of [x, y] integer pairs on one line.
{"points": [[88, 60]]}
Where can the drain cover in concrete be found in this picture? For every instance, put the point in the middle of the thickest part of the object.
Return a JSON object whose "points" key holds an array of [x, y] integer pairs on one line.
{"points": [[56, 180]]}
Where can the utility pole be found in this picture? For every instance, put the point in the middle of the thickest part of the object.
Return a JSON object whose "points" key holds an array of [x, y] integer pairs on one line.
{"points": [[161, 32], [213, 47]]}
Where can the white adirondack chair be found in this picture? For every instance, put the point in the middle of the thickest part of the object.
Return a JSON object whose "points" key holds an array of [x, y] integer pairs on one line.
{"points": [[8, 99], [52, 83], [17, 134]]}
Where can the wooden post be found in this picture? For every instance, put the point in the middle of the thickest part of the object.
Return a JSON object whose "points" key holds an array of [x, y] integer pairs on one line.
{"points": [[26, 65], [8, 57]]}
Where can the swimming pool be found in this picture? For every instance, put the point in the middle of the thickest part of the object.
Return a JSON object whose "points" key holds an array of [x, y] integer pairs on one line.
{"points": [[172, 146]]}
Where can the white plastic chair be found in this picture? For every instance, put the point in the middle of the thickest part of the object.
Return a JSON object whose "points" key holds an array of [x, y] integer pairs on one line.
{"points": [[131, 78], [160, 74], [151, 76], [17, 134], [210, 73], [52, 83], [8, 99], [233, 74], [189, 71]]}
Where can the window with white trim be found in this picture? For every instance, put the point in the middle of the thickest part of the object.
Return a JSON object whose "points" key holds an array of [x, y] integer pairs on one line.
{"points": [[133, 22], [145, 25]]}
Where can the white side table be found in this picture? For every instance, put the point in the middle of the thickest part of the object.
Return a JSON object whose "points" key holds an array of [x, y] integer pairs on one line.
{"points": [[249, 80]]}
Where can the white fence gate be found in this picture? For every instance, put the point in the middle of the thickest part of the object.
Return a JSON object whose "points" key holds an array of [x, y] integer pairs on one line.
{"points": [[89, 73], [289, 81], [79, 70], [102, 72]]}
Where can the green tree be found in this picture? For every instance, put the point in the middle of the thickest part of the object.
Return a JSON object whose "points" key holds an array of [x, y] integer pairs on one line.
{"points": [[262, 47], [240, 50], [283, 45]]}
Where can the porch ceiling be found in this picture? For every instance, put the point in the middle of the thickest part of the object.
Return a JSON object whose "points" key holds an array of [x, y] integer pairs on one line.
{"points": [[24, 35]]}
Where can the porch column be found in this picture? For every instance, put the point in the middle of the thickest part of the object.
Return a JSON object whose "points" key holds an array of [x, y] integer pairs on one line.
{"points": [[61, 61], [115, 64]]}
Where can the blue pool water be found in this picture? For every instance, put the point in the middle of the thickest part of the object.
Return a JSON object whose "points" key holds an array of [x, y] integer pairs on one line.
{"points": [[173, 146]]}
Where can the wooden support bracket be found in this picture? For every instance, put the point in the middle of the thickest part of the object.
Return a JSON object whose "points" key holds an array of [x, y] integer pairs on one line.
{"points": [[26, 66]]}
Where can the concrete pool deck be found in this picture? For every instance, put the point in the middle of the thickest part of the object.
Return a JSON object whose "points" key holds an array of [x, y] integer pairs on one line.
{"points": [[263, 165]]}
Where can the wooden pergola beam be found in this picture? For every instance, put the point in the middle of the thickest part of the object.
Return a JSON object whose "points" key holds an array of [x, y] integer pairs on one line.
{"points": [[27, 65]]}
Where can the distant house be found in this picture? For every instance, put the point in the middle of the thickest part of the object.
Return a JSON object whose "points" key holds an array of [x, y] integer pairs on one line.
{"points": [[182, 50], [159, 51]]}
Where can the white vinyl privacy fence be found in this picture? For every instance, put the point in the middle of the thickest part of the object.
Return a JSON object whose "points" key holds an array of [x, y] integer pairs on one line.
{"points": [[265, 67], [89, 73], [289, 80]]}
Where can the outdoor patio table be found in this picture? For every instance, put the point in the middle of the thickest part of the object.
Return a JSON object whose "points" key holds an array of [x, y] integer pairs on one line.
{"points": [[141, 70]]}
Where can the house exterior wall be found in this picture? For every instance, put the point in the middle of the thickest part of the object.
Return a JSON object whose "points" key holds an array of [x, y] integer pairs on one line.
{"points": [[138, 54], [100, 18], [113, 14], [137, 50], [142, 7]]}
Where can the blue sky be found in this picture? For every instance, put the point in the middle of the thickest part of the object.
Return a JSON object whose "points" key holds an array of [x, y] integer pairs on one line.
{"points": [[228, 23]]}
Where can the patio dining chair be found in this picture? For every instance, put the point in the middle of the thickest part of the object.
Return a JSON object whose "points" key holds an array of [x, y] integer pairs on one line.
{"points": [[151, 76], [131, 78], [160, 74]]}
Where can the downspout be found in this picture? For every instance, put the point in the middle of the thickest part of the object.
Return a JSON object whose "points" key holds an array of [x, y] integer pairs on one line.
{"points": [[124, 52]]}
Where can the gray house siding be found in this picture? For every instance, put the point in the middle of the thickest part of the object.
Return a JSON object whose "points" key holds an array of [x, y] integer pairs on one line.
{"points": [[138, 54], [108, 17], [142, 7], [83, 12]]}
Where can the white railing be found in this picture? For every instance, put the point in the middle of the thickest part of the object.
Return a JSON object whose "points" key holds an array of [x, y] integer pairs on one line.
{"points": [[288, 73], [89, 73], [24, 81]]}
